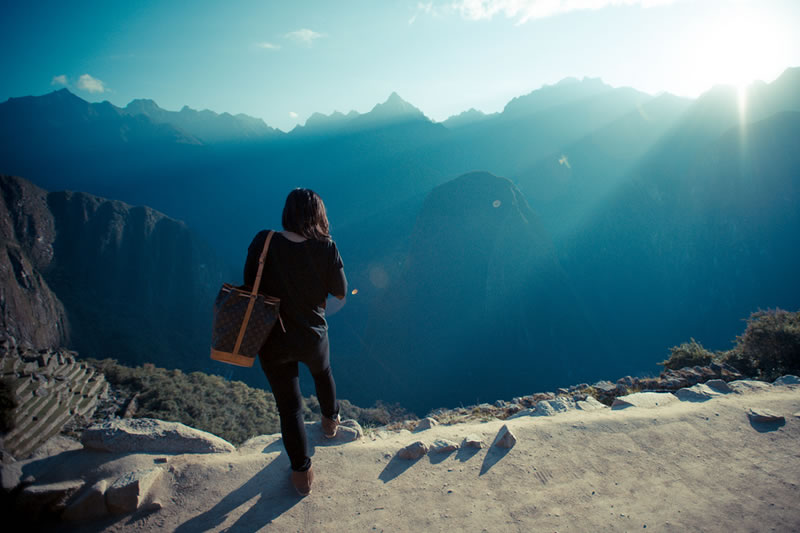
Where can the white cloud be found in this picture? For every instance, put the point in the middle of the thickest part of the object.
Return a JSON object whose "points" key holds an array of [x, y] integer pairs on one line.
{"points": [[91, 84], [304, 36], [427, 9], [268, 46], [59, 80], [293, 114], [525, 10]]}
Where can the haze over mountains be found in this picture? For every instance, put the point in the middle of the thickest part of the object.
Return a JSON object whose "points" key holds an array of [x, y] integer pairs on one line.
{"points": [[626, 222]]}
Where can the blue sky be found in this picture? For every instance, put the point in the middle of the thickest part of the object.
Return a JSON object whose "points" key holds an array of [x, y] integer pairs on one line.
{"points": [[282, 61]]}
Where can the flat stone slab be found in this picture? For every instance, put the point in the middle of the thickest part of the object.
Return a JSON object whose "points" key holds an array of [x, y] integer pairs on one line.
{"points": [[151, 435], [749, 385], [605, 386], [415, 450], [444, 446], [590, 404], [764, 416], [788, 379], [696, 393], [131, 490], [471, 441], [553, 407], [719, 385], [48, 497], [644, 399]]}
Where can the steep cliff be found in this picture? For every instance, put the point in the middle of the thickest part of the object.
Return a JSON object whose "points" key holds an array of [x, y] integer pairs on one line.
{"points": [[135, 284], [29, 310]]}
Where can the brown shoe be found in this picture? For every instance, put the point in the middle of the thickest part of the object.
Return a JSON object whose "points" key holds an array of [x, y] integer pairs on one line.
{"points": [[302, 481], [330, 425]]}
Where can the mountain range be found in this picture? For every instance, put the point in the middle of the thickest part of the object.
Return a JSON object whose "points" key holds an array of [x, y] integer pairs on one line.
{"points": [[626, 222]]}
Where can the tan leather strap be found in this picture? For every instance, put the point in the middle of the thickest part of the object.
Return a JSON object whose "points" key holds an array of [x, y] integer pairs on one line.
{"points": [[253, 295]]}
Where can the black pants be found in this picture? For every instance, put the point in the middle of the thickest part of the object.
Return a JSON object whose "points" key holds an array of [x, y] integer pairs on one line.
{"points": [[285, 383]]}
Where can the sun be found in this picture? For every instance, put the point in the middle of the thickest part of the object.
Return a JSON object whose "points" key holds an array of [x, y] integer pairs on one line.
{"points": [[736, 48]]}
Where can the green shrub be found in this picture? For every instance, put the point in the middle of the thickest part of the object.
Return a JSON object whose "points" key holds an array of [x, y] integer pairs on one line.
{"points": [[769, 346], [229, 409], [689, 353]]}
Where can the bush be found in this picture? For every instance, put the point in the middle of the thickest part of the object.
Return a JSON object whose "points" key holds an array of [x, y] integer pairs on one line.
{"points": [[769, 346], [229, 409], [689, 353]]}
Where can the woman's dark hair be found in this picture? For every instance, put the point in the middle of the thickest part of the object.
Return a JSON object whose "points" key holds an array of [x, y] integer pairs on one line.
{"points": [[304, 214]]}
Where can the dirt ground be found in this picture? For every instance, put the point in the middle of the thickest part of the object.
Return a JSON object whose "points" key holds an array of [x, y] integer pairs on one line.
{"points": [[681, 467]]}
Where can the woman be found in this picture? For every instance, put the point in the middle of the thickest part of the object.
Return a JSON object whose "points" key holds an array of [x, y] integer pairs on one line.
{"points": [[302, 267]]}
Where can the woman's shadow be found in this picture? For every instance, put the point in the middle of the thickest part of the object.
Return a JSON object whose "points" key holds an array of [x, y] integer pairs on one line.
{"points": [[271, 485]]}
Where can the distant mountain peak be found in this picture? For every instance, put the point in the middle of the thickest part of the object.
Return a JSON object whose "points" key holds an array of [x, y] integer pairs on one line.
{"points": [[395, 108], [142, 105], [465, 118]]}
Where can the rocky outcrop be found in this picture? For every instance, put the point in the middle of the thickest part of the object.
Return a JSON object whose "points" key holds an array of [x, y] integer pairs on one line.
{"points": [[103, 277], [49, 388], [29, 310], [150, 435]]}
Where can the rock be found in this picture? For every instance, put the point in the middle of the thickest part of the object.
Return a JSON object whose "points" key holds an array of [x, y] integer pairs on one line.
{"points": [[90, 504], [748, 385], [789, 379], [764, 416], [505, 439], [444, 446], [131, 490], [719, 385], [500, 403], [605, 386], [590, 404], [562, 390], [11, 475], [426, 423], [644, 399], [696, 393], [354, 425], [553, 407], [346, 434], [151, 435], [51, 497], [626, 381], [471, 441], [415, 450], [520, 414]]}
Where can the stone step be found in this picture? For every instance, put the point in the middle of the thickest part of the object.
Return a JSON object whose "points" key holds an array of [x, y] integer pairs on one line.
{"points": [[43, 432], [19, 433]]}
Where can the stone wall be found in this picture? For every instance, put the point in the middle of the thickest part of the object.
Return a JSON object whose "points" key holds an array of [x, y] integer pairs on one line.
{"points": [[49, 388]]}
